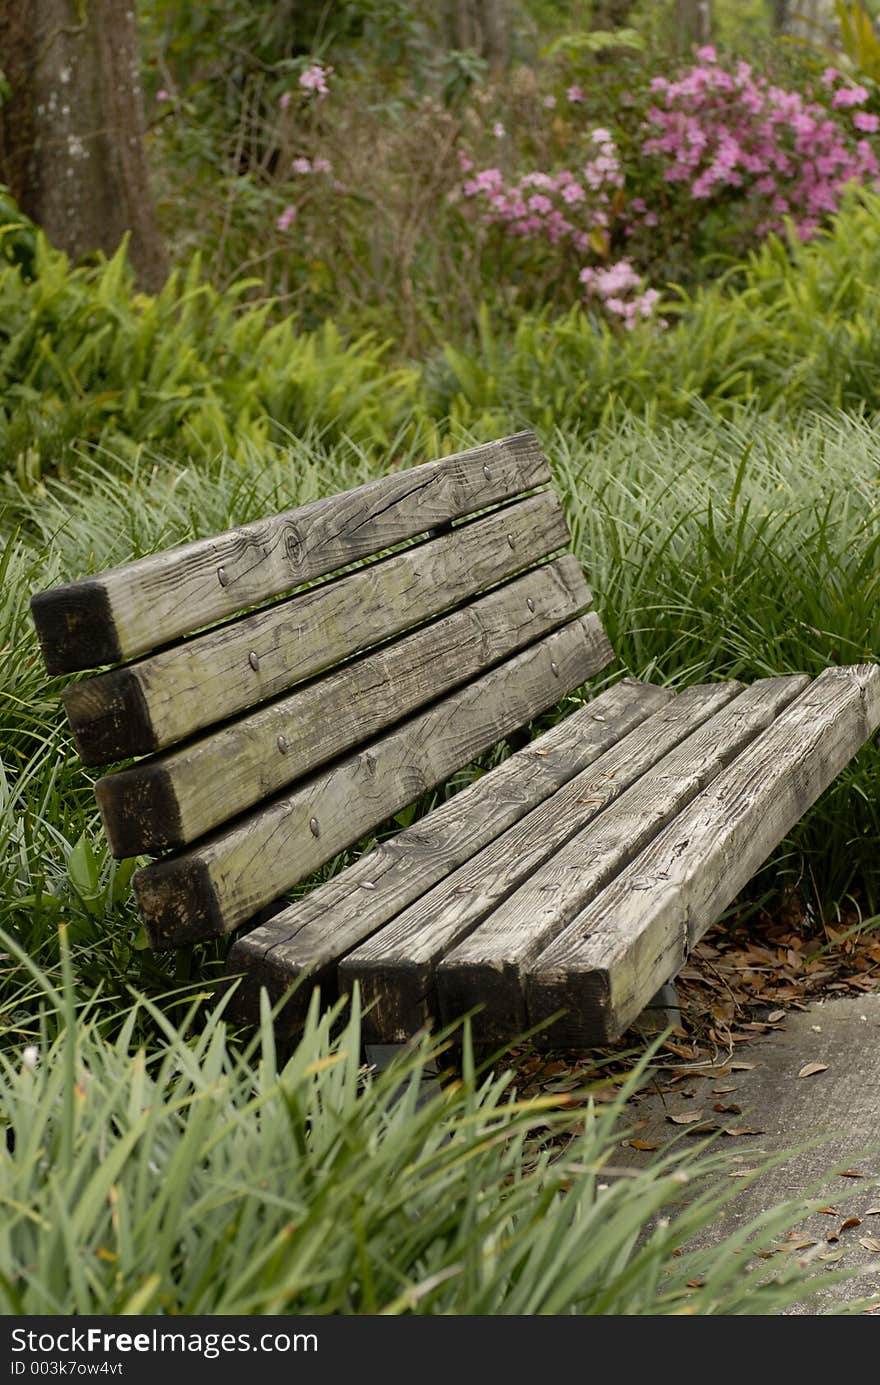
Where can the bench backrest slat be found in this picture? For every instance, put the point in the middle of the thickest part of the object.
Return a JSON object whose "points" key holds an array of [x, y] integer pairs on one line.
{"points": [[151, 704], [128, 610], [171, 799], [406, 626]]}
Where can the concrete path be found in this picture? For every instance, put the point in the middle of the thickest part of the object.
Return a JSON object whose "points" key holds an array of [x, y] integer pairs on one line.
{"points": [[839, 1105]]}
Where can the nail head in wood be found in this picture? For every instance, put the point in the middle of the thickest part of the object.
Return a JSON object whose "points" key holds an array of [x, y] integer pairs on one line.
{"points": [[253, 660], [222, 578], [487, 473], [511, 540], [530, 603], [314, 828], [554, 668], [283, 744]]}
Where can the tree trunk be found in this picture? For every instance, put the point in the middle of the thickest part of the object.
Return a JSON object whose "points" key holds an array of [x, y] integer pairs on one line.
{"points": [[72, 132], [779, 15], [480, 25], [611, 14], [693, 23]]}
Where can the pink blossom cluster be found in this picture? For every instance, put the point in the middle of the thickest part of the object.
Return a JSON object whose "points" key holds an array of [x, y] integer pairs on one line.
{"points": [[304, 166], [717, 129], [621, 290], [551, 206], [578, 209], [314, 79]]}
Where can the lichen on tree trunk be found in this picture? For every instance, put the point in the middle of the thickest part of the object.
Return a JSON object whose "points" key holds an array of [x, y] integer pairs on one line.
{"points": [[72, 131]]}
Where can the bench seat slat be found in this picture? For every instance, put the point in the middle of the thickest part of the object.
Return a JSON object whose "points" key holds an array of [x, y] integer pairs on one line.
{"points": [[159, 701], [606, 964], [489, 966], [126, 611], [309, 936], [172, 799], [396, 967], [217, 885]]}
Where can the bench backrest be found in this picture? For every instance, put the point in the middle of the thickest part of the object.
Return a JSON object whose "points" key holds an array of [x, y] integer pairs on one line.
{"points": [[286, 702]]}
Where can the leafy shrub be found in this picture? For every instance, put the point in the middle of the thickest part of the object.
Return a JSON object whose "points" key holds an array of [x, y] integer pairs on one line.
{"points": [[84, 359]]}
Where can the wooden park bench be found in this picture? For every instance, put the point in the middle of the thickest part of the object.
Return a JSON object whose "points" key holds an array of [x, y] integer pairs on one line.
{"points": [[291, 685]]}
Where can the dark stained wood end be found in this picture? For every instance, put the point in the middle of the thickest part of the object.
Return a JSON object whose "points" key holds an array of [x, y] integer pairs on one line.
{"points": [[139, 810], [75, 627], [109, 717]]}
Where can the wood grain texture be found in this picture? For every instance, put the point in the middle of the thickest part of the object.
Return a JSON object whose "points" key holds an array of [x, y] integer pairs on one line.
{"points": [[395, 968], [222, 882], [172, 799], [125, 611], [488, 968], [307, 938], [159, 701], [604, 967]]}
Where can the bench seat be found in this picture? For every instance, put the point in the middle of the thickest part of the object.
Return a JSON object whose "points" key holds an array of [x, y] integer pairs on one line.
{"points": [[284, 689], [576, 876]]}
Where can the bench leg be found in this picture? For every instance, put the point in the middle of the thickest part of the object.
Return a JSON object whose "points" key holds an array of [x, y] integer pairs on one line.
{"points": [[661, 1011]]}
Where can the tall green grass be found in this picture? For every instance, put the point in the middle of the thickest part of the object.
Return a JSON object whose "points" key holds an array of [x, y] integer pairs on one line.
{"points": [[716, 549], [196, 1177]]}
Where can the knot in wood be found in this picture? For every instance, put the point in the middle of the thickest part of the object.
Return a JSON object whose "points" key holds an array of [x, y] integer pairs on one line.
{"points": [[314, 827], [283, 744], [511, 540], [530, 603], [487, 473], [554, 668], [293, 547], [223, 577], [254, 661]]}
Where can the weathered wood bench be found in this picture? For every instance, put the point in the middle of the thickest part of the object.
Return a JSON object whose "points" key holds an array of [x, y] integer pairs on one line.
{"points": [[573, 877]]}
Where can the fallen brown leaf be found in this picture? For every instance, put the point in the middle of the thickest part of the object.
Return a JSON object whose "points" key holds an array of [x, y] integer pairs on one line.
{"points": [[873, 1212], [850, 1223], [731, 1110], [850, 1173], [722, 1091], [775, 1016], [642, 1144], [743, 1130], [685, 1117], [737, 1066], [869, 1242], [809, 1069]]}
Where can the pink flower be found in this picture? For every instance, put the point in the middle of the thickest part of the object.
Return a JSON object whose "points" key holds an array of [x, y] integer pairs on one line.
{"points": [[498, 130], [863, 120], [163, 95], [284, 100], [464, 163], [575, 94], [314, 79], [830, 76], [286, 219], [601, 136], [322, 166], [539, 203], [301, 166], [849, 96], [549, 102], [573, 192], [707, 54]]}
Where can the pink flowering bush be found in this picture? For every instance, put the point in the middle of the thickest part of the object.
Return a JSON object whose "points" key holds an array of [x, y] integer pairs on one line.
{"points": [[577, 211], [779, 154]]}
